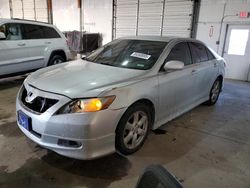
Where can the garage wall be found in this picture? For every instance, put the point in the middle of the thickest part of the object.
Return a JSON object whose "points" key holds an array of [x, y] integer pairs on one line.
{"points": [[66, 15], [210, 18], [4, 9], [97, 18]]}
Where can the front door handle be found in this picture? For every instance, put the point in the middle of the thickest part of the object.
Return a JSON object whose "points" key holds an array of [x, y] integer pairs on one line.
{"points": [[21, 44], [47, 42], [194, 71]]}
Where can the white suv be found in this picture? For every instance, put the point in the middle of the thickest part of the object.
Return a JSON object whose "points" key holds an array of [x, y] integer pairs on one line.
{"points": [[30, 45]]}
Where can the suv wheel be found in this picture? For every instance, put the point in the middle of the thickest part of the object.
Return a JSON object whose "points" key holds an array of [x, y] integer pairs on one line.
{"points": [[56, 59], [133, 129]]}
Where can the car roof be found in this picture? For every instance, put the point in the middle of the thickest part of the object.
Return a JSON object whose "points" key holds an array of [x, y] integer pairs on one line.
{"points": [[16, 20], [159, 38]]}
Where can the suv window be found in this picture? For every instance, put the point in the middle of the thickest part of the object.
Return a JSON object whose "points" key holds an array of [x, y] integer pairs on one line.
{"points": [[32, 31], [50, 32], [180, 52], [198, 52], [12, 31], [210, 55]]}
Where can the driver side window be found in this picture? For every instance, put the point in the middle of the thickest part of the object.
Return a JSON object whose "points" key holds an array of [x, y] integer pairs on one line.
{"points": [[180, 52], [12, 31]]}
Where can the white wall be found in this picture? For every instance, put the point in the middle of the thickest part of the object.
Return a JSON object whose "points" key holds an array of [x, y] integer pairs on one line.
{"points": [[98, 18], [4, 9], [66, 15], [211, 14]]}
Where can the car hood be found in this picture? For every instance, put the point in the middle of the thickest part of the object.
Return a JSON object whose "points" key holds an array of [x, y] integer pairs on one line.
{"points": [[81, 78]]}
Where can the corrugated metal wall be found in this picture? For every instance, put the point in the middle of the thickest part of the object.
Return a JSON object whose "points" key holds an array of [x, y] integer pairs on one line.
{"points": [[178, 18], [126, 17], [29, 9], [153, 17], [150, 17]]}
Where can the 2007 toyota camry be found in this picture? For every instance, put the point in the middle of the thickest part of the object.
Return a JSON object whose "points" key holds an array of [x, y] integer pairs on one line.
{"points": [[110, 100]]}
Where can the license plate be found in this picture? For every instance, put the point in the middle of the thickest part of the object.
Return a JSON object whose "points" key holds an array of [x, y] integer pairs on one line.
{"points": [[23, 120]]}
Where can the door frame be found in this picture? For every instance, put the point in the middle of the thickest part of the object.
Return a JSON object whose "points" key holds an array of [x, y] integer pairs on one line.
{"points": [[226, 32], [228, 24]]}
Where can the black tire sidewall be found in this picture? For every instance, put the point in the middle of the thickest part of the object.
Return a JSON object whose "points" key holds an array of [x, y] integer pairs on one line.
{"points": [[119, 142], [55, 57]]}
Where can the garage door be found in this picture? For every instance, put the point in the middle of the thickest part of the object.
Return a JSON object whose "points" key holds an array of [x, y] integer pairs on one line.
{"points": [[153, 17], [29, 9]]}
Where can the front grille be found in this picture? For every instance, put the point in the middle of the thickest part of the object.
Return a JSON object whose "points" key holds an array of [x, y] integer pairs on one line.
{"points": [[39, 104]]}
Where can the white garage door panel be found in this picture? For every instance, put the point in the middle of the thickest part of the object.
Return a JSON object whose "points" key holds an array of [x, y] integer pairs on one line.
{"points": [[41, 4], [150, 16], [30, 9], [126, 17], [41, 10], [126, 10], [178, 18], [17, 8], [41, 16], [183, 7], [155, 17]]}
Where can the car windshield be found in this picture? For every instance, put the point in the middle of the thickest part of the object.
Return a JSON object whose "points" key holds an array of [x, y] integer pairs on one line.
{"points": [[133, 54]]}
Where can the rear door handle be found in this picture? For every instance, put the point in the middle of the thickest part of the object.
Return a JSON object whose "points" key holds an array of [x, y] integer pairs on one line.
{"points": [[47, 42], [21, 44], [194, 71], [215, 64]]}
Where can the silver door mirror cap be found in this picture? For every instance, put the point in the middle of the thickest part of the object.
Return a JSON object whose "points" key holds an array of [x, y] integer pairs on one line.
{"points": [[2, 35], [173, 65]]}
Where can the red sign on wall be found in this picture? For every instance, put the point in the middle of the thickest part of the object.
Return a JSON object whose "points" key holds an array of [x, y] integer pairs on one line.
{"points": [[244, 14]]}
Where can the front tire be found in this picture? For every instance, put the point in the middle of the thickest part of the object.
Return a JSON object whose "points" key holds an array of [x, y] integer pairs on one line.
{"points": [[56, 59], [133, 129], [214, 92]]}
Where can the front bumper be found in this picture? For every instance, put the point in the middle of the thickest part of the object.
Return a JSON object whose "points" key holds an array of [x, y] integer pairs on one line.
{"points": [[94, 132]]}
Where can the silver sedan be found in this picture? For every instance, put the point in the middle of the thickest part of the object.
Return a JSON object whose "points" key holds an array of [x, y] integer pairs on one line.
{"points": [[110, 100]]}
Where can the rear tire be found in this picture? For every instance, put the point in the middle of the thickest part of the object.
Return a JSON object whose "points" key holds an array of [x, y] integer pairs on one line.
{"points": [[133, 129], [56, 59], [214, 92]]}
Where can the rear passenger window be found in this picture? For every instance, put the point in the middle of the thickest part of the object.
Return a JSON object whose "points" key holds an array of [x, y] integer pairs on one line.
{"points": [[50, 32], [210, 55], [199, 52], [31, 31], [180, 52]]}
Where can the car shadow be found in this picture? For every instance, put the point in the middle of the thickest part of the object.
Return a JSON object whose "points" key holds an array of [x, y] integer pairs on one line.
{"points": [[48, 169], [10, 82]]}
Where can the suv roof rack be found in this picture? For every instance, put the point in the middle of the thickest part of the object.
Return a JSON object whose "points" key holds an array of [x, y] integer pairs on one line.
{"points": [[30, 20]]}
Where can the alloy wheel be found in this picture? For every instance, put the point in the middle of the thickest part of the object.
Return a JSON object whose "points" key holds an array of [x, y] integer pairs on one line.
{"points": [[135, 129], [215, 91]]}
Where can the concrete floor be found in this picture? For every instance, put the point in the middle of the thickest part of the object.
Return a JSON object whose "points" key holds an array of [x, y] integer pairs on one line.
{"points": [[206, 147]]}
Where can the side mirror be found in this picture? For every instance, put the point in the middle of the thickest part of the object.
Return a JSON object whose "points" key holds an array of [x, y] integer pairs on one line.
{"points": [[2, 35], [173, 65]]}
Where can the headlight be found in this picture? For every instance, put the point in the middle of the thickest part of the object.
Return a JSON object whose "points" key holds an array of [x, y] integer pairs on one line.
{"points": [[87, 105]]}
